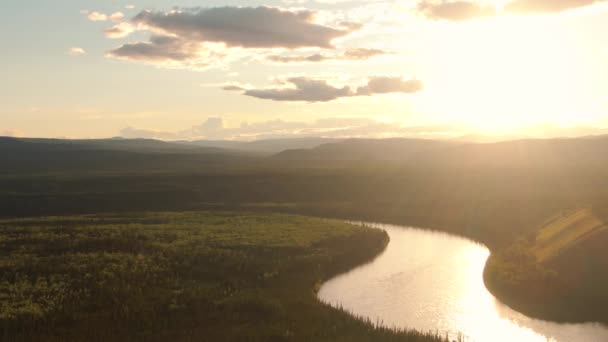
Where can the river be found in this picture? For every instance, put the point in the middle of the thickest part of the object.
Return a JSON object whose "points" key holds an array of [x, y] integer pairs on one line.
{"points": [[432, 281]]}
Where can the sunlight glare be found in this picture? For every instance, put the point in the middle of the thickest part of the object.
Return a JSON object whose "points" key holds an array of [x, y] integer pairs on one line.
{"points": [[509, 72]]}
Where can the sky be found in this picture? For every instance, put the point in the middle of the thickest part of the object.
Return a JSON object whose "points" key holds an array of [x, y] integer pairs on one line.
{"points": [[245, 69]]}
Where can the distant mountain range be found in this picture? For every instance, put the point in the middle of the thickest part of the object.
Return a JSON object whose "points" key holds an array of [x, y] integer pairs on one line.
{"points": [[102, 155], [270, 146], [128, 154], [565, 151]]}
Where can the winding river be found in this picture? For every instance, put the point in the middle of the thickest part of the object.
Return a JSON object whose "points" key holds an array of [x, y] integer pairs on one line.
{"points": [[432, 281]]}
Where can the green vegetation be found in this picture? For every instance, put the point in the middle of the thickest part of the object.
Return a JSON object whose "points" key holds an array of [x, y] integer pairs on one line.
{"points": [[564, 232], [170, 276], [558, 272], [493, 193]]}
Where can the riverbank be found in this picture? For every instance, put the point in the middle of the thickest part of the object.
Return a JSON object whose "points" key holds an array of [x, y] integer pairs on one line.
{"points": [[181, 277], [556, 273]]}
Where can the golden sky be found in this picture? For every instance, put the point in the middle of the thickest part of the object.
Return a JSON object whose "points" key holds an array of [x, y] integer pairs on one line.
{"points": [[263, 69]]}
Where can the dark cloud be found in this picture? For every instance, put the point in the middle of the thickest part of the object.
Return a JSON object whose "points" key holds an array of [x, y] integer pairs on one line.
{"points": [[313, 90], [159, 48], [546, 6], [305, 89], [249, 27], [362, 53], [234, 87], [317, 57], [385, 85], [454, 10], [348, 55]]}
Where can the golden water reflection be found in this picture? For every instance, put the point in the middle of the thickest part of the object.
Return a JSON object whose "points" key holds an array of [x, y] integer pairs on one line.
{"points": [[433, 281]]}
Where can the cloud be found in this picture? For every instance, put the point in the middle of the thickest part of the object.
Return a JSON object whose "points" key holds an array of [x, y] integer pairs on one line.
{"points": [[386, 85], [96, 16], [454, 10], [170, 51], [248, 27], [131, 132], [341, 127], [11, 133], [117, 16], [216, 128], [459, 10], [234, 87], [348, 55], [119, 30], [212, 128], [159, 48], [76, 51], [203, 38], [546, 6], [305, 89], [314, 90]]}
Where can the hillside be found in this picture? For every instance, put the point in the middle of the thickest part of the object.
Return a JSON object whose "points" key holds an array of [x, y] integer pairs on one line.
{"points": [[397, 149], [558, 272], [565, 232], [60, 155], [114, 144], [264, 146], [562, 152]]}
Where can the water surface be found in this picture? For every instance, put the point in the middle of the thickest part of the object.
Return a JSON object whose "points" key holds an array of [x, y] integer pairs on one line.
{"points": [[427, 280]]}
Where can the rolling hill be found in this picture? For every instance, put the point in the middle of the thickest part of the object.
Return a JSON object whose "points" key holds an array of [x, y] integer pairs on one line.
{"points": [[558, 272], [566, 231], [265, 146], [397, 149], [564, 152], [60, 155]]}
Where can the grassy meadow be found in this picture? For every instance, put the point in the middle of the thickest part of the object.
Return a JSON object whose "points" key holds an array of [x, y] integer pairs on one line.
{"points": [[167, 276]]}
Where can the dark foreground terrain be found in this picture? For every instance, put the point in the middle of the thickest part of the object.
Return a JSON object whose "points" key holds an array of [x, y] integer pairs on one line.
{"points": [[495, 193], [170, 276], [558, 272]]}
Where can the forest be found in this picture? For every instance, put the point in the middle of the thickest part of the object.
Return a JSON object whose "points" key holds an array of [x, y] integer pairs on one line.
{"points": [[177, 276], [498, 194]]}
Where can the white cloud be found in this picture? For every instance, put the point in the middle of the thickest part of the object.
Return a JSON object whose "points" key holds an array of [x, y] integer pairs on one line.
{"points": [[120, 30], [97, 16], [76, 51], [546, 6], [455, 10], [215, 128], [117, 16], [11, 133]]}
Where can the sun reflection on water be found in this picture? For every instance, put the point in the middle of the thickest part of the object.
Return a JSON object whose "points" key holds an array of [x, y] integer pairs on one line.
{"points": [[433, 282]]}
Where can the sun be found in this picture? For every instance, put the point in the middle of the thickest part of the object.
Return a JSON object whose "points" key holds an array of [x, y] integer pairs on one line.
{"points": [[508, 72]]}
